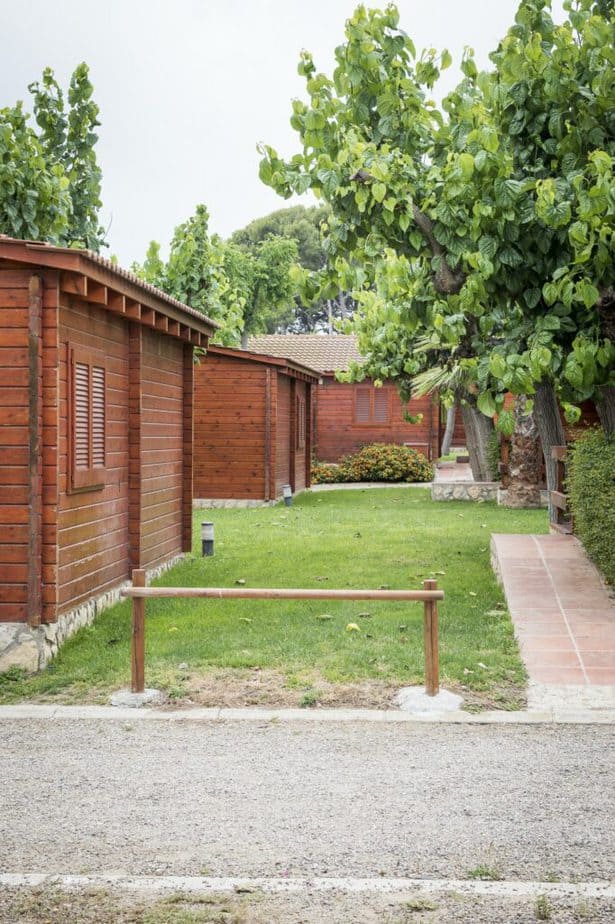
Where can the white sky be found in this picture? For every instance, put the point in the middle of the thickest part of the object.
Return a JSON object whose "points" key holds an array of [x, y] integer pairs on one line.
{"points": [[187, 88]]}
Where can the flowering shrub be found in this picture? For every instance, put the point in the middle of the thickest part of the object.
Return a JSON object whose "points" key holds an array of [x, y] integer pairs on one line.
{"points": [[376, 462]]}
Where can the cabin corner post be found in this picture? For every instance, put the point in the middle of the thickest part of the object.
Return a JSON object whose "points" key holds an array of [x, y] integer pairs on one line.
{"points": [[52, 434], [35, 473], [135, 362], [187, 447], [267, 436]]}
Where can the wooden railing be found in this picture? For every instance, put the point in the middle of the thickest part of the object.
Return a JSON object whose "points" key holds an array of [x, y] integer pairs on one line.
{"points": [[139, 593], [561, 520]]}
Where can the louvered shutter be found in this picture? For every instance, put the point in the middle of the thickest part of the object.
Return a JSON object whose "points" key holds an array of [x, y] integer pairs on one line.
{"points": [[81, 416], [381, 405], [87, 419], [361, 405], [98, 416]]}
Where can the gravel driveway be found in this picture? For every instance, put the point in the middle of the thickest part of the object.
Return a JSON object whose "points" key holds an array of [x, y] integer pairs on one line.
{"points": [[271, 799]]}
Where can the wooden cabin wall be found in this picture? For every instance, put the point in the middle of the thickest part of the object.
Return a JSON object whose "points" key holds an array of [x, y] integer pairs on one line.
{"points": [[229, 429], [283, 435], [337, 433], [162, 449], [93, 540], [19, 470], [302, 453]]}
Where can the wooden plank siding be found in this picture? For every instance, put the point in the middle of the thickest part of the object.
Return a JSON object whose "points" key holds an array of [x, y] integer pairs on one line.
{"points": [[245, 444], [229, 429], [338, 433], [162, 448], [96, 557], [284, 434]]}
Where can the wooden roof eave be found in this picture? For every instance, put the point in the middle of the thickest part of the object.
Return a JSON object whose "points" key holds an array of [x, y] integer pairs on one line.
{"points": [[285, 366], [97, 281]]}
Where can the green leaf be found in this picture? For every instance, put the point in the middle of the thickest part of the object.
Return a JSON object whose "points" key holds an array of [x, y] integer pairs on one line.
{"points": [[445, 60], [466, 163], [379, 191], [588, 293], [486, 404]]}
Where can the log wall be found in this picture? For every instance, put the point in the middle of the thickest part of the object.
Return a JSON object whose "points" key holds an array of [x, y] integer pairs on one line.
{"points": [[337, 433]]}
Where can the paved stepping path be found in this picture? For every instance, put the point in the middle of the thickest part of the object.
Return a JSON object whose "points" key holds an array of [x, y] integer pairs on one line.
{"points": [[564, 619]]}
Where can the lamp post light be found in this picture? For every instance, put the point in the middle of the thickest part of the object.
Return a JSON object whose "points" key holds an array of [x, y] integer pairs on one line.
{"points": [[207, 538], [288, 495]]}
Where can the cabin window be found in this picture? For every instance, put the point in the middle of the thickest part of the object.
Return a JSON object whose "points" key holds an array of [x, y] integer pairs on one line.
{"points": [[300, 423], [87, 419], [371, 405]]}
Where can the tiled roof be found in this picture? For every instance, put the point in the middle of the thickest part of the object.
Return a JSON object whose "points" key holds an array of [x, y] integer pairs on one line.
{"points": [[323, 352]]}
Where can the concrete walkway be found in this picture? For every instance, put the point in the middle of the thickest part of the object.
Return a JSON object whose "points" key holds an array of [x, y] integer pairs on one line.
{"points": [[563, 617]]}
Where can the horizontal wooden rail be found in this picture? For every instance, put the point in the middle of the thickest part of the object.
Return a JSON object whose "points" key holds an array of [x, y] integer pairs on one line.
{"points": [[139, 593], [282, 593]]}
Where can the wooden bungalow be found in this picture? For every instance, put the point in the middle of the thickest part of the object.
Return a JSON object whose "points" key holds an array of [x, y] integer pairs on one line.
{"points": [[252, 425], [347, 416], [96, 379]]}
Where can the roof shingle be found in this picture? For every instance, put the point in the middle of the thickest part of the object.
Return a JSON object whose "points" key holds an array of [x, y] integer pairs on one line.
{"points": [[323, 352]]}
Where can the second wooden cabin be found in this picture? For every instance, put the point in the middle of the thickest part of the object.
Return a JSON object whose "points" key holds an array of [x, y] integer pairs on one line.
{"points": [[252, 426]]}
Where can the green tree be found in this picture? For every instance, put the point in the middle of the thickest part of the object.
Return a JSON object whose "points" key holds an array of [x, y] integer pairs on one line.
{"points": [[34, 196], [437, 223], [195, 274], [68, 139], [305, 226]]}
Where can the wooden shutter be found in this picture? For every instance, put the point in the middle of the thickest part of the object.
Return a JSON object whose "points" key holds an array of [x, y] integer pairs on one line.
{"points": [[81, 416], [86, 419], [361, 405], [98, 416], [381, 405]]}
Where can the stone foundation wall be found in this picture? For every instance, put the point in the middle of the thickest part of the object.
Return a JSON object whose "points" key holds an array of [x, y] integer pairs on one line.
{"points": [[32, 648], [465, 490]]}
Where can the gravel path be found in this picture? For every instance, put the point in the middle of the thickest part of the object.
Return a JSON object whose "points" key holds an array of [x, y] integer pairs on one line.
{"points": [[269, 799]]}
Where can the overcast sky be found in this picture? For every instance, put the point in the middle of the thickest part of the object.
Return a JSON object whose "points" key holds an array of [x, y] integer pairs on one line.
{"points": [[187, 88]]}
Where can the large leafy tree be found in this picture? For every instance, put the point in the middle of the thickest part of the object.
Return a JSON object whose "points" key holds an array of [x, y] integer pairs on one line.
{"points": [[245, 288], [51, 181], [438, 224], [195, 274], [305, 226]]}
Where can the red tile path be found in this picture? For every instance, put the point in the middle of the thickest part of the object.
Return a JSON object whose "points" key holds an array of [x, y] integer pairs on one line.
{"points": [[564, 619]]}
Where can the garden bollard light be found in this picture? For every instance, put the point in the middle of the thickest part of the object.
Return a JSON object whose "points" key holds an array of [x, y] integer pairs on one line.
{"points": [[288, 495], [207, 538]]}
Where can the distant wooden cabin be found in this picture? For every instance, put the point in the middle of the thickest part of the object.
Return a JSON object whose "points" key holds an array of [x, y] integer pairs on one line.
{"points": [[252, 425], [96, 377], [347, 416]]}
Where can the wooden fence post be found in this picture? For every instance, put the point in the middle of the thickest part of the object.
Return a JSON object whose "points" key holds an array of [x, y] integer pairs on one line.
{"points": [[138, 635], [430, 633]]}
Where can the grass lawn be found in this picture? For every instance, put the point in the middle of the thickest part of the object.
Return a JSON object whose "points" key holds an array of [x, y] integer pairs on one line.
{"points": [[232, 652]]}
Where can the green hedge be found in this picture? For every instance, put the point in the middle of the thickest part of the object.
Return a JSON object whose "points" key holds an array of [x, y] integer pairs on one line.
{"points": [[591, 490], [376, 462]]}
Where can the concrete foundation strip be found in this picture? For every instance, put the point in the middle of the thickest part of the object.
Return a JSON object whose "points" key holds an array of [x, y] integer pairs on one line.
{"points": [[562, 716], [196, 884]]}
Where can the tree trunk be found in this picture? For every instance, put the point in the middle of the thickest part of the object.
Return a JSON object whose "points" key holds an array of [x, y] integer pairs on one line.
{"points": [[524, 462], [479, 429], [550, 429], [450, 429], [605, 406], [244, 340]]}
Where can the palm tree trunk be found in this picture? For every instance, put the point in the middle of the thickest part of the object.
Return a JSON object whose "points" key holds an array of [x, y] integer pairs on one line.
{"points": [[524, 462], [449, 430]]}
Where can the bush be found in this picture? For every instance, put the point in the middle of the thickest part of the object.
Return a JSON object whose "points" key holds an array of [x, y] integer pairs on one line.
{"points": [[376, 462], [325, 473], [591, 490]]}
